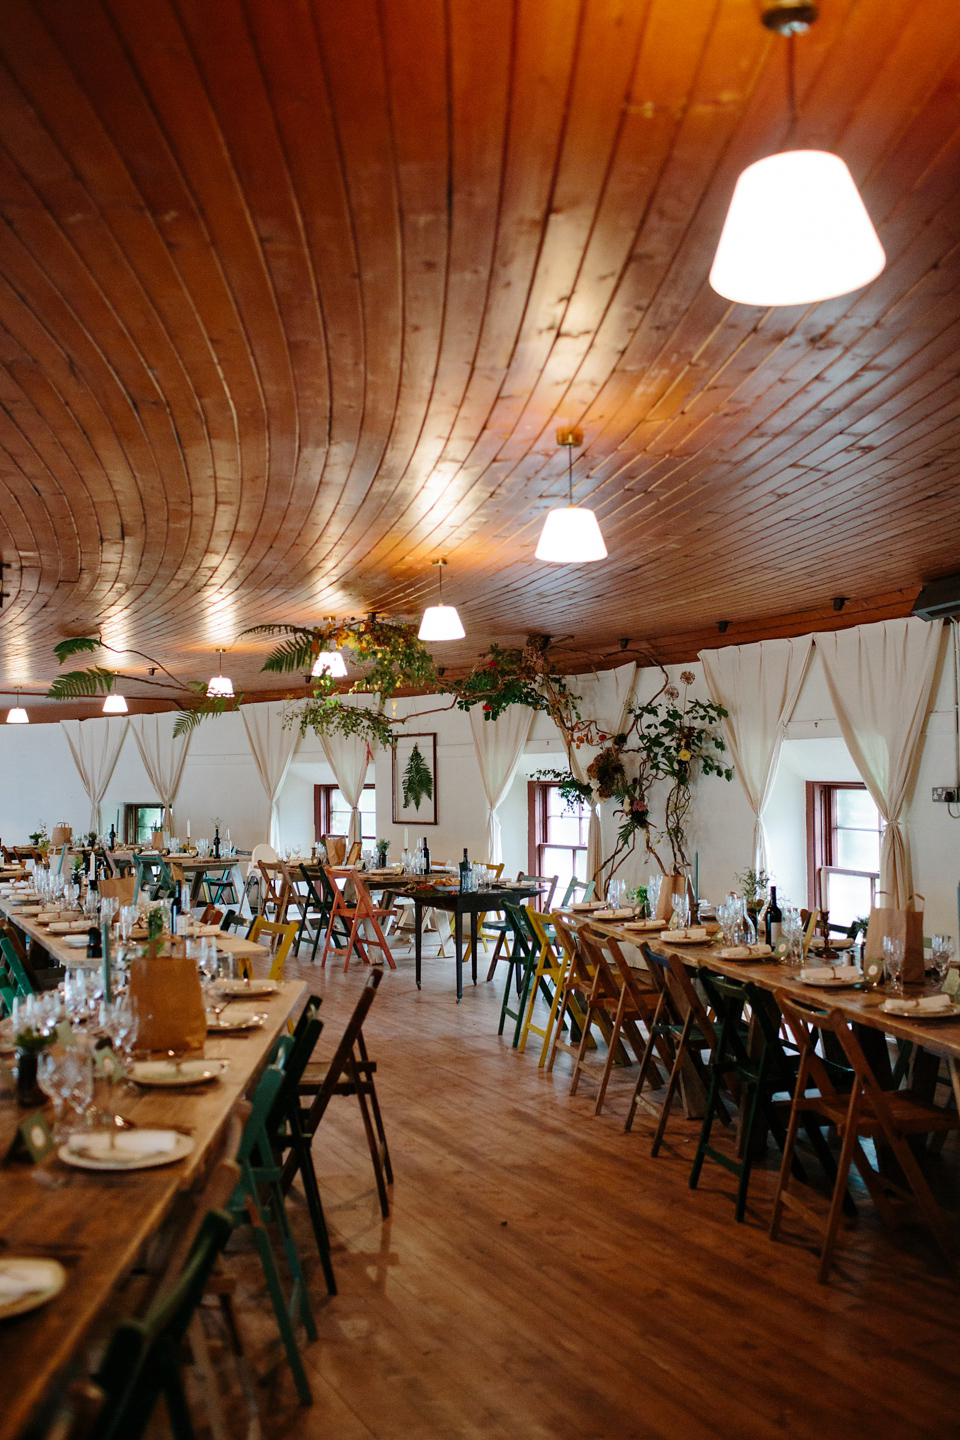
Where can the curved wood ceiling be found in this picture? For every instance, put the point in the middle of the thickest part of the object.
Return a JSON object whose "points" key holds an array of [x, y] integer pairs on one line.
{"points": [[294, 295]]}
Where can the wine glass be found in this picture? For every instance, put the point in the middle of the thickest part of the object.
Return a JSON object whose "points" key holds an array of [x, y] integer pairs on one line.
{"points": [[654, 882], [55, 1078], [893, 963], [942, 948]]}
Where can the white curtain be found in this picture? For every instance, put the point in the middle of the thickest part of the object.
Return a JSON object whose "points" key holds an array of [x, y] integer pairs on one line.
{"points": [[273, 748], [604, 698], [163, 757], [880, 678], [349, 758], [95, 746], [758, 685], [499, 745]]}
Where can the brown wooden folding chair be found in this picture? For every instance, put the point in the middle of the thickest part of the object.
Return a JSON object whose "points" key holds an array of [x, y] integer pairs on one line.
{"points": [[276, 890], [868, 1111], [355, 917], [610, 1001], [349, 1071]]}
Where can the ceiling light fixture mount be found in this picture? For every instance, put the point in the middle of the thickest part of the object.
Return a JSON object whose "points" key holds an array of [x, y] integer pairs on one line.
{"points": [[797, 231], [16, 715], [570, 535], [440, 622], [220, 686]]}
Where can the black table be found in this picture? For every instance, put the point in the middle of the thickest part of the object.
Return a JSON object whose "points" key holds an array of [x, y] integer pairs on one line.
{"points": [[457, 903]]}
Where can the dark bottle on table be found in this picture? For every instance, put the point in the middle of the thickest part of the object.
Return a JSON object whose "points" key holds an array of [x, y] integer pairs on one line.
{"points": [[774, 919], [113, 837], [216, 842], [94, 943], [426, 856], [465, 871]]}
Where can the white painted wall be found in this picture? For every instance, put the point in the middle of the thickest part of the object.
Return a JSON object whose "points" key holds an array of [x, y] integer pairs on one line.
{"points": [[40, 783]]}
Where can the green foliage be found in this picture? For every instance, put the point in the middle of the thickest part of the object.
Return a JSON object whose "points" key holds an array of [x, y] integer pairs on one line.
{"points": [[327, 714], [77, 646], [754, 885], [573, 792], [155, 922], [390, 652], [76, 684], [203, 708], [518, 677], [417, 780]]}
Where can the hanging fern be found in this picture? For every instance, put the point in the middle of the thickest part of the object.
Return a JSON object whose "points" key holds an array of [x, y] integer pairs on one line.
{"points": [[79, 683], [77, 646], [417, 780]]}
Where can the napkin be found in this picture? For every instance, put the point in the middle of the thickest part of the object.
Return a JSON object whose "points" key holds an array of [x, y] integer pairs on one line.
{"points": [[929, 1005], [745, 952], [124, 1145], [692, 932], [17, 1281], [817, 974]]}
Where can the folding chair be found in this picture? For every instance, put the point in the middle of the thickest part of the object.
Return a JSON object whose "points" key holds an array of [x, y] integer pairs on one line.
{"points": [[500, 929], [350, 1071], [681, 1025], [258, 1201], [575, 998], [280, 939], [276, 889], [608, 999], [142, 1360], [868, 1111], [15, 968], [323, 893], [521, 964], [308, 905], [551, 968], [362, 912]]}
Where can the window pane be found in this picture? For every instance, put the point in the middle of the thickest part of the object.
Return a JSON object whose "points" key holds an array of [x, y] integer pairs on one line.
{"points": [[340, 814], [149, 818], [847, 898], [855, 808], [563, 830], [858, 850], [563, 861]]}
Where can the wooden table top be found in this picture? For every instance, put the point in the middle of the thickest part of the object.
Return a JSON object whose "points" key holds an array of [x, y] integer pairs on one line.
{"points": [[95, 1223], [941, 1037]]}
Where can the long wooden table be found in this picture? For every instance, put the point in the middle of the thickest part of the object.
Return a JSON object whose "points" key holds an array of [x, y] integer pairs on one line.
{"points": [[95, 1223]]}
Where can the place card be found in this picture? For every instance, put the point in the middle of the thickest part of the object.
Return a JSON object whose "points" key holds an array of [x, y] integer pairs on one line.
{"points": [[951, 985], [33, 1141], [108, 1064], [873, 970]]}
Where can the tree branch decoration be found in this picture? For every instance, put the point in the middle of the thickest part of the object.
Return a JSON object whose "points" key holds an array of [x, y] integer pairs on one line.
{"points": [[417, 780]]}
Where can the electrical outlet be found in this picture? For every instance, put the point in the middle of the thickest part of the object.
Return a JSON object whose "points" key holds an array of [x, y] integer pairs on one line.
{"points": [[948, 793]]}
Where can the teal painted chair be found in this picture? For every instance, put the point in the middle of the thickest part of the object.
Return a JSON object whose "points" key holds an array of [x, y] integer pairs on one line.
{"points": [[14, 967]]}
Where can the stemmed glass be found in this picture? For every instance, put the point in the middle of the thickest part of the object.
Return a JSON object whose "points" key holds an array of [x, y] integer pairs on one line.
{"points": [[942, 948], [55, 1076], [680, 918], [893, 963], [654, 882]]}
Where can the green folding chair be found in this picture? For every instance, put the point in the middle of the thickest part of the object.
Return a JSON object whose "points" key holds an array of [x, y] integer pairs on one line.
{"points": [[14, 966]]}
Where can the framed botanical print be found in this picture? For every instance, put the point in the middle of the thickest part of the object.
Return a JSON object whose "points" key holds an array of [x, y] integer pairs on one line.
{"points": [[415, 779]]}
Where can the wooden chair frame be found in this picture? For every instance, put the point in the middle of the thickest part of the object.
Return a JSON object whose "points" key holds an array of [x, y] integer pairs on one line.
{"points": [[354, 916], [281, 938]]}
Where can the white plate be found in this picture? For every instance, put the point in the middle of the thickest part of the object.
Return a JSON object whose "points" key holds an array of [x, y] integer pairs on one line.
{"points": [[676, 937], [77, 942], [833, 984], [131, 1149], [951, 1014], [247, 987], [166, 1072], [49, 1277], [238, 1023]]}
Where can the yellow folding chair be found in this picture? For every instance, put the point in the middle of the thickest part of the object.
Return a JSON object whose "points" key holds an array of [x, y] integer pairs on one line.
{"points": [[280, 939], [552, 966]]}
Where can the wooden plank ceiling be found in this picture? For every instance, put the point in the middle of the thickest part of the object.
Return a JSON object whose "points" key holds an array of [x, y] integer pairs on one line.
{"points": [[294, 295]]}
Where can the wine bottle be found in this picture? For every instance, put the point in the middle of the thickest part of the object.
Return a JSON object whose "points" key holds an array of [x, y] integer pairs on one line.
{"points": [[426, 856], [464, 872], [774, 919]]}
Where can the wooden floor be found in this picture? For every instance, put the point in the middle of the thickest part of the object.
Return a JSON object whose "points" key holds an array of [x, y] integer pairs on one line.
{"points": [[542, 1278]]}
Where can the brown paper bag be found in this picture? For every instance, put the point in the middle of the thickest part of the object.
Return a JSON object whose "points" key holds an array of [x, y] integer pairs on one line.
{"points": [[905, 925], [670, 885], [166, 989], [156, 839], [120, 887], [62, 835], [336, 848]]}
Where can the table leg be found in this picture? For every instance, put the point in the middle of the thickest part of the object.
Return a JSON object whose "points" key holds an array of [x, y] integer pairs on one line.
{"points": [[458, 946], [473, 944], [418, 928]]}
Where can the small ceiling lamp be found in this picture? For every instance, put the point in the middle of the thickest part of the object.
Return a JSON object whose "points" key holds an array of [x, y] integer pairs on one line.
{"points": [[221, 686], [329, 662], [114, 704], [16, 715], [440, 622], [797, 231], [570, 534]]}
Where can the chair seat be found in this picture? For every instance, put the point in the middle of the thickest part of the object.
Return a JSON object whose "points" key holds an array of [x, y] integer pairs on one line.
{"points": [[910, 1114]]}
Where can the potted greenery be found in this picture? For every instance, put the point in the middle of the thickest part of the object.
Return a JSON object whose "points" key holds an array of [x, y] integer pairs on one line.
{"points": [[29, 1043], [754, 887]]}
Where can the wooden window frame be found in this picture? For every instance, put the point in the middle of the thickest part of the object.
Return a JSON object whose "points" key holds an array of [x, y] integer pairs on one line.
{"points": [[323, 810], [821, 827], [131, 809]]}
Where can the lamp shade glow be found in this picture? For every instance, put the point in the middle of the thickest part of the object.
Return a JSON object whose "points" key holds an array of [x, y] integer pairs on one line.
{"points": [[330, 662], [571, 536], [115, 705], [796, 232], [16, 715], [220, 685], [440, 622]]}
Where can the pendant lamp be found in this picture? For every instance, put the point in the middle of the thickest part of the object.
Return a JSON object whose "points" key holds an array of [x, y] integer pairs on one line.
{"points": [[330, 662], [221, 686], [16, 715], [440, 622], [114, 704], [797, 231], [570, 534]]}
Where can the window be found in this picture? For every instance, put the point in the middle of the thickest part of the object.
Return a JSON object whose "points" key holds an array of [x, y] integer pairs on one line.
{"points": [[843, 849], [331, 813], [139, 822], [557, 834]]}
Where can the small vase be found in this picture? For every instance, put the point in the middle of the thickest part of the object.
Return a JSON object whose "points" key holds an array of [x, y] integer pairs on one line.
{"points": [[29, 1094]]}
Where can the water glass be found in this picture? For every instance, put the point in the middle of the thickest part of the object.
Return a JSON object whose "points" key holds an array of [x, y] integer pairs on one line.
{"points": [[942, 948], [654, 883], [680, 918], [128, 918], [893, 963]]}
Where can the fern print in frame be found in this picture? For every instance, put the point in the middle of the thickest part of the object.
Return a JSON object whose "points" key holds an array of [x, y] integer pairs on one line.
{"points": [[415, 779]]}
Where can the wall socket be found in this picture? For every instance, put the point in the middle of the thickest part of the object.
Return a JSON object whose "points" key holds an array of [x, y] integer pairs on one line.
{"points": [[948, 793]]}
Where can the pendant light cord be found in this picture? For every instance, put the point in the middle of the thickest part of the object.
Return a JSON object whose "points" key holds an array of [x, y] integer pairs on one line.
{"points": [[570, 474], [791, 90]]}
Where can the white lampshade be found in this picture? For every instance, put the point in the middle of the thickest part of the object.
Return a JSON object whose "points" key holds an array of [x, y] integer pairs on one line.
{"points": [[220, 685], [115, 705], [17, 716], [796, 232], [441, 622], [570, 536], [330, 662]]}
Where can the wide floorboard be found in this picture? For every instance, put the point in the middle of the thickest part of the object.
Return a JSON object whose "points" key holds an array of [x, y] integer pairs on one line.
{"points": [[542, 1278]]}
